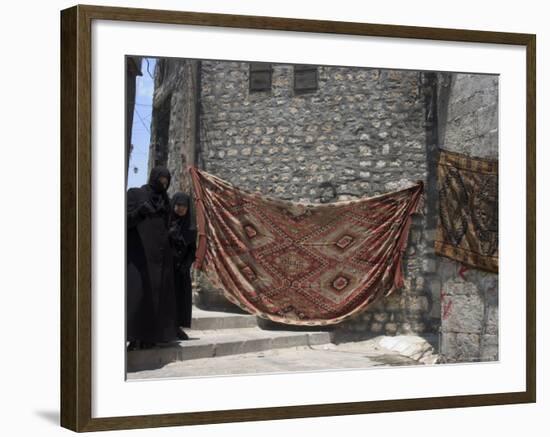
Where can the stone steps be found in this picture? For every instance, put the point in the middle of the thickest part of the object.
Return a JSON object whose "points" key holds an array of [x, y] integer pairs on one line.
{"points": [[214, 334], [408, 350], [207, 320]]}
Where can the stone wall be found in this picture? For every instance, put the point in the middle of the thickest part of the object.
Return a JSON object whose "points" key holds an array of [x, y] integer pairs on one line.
{"points": [[363, 132], [167, 125], [468, 113]]}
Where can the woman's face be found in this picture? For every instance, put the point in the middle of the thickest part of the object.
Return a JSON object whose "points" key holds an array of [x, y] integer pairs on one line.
{"points": [[180, 210], [164, 181]]}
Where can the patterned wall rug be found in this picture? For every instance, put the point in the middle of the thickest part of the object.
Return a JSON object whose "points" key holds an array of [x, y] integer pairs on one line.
{"points": [[301, 263], [467, 229]]}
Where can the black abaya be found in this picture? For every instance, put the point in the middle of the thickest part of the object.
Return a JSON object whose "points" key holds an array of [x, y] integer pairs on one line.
{"points": [[151, 315], [183, 242]]}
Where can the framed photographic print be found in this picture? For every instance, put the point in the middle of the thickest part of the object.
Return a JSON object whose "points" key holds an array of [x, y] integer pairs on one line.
{"points": [[337, 216]]}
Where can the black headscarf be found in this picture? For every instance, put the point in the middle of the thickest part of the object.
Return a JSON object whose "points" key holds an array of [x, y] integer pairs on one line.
{"points": [[183, 226], [158, 195], [155, 175]]}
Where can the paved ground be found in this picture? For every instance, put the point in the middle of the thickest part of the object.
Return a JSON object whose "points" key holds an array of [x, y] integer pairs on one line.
{"points": [[351, 355]]}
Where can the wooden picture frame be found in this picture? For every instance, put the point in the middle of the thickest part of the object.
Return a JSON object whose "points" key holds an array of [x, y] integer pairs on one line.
{"points": [[76, 217]]}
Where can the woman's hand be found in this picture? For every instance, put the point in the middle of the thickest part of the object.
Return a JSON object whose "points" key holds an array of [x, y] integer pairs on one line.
{"points": [[147, 208]]}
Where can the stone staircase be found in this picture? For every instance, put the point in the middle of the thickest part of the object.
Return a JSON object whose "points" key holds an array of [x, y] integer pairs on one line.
{"points": [[222, 333]]}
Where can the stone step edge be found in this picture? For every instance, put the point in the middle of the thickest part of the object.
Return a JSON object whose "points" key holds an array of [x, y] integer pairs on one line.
{"points": [[223, 322], [158, 357]]}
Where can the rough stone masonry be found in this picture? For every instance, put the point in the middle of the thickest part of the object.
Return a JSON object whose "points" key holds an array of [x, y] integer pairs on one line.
{"points": [[359, 132], [468, 113]]}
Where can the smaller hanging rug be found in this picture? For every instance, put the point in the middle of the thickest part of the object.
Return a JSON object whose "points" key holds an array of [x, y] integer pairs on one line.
{"points": [[467, 229], [300, 263]]}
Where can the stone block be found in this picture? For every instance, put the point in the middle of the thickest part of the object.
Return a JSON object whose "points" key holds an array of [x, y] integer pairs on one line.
{"points": [[390, 328], [418, 327], [376, 327], [462, 313], [381, 317], [491, 320], [366, 316], [489, 348], [457, 286], [460, 347], [393, 302], [429, 265], [487, 119], [416, 304]]}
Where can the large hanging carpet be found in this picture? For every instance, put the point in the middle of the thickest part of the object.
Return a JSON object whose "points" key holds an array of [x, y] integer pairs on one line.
{"points": [[300, 263], [467, 229]]}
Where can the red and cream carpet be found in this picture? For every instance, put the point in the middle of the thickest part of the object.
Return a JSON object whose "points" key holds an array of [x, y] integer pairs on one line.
{"points": [[300, 263]]}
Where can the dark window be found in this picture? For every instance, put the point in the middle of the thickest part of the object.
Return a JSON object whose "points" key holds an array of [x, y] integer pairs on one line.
{"points": [[259, 76], [305, 78]]}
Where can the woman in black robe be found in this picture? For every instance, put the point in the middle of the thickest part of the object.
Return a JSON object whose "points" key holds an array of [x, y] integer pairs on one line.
{"points": [[183, 236], [150, 299]]}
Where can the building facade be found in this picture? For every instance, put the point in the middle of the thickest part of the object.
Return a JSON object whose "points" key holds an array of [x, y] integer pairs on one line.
{"points": [[327, 133]]}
